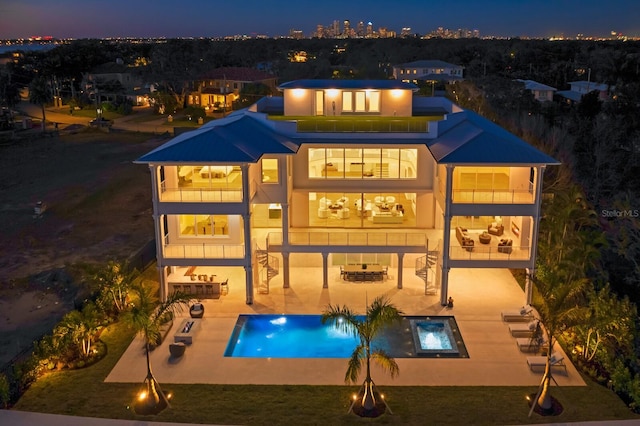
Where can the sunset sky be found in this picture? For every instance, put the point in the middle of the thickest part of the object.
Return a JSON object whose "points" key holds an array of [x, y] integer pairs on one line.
{"points": [[210, 18]]}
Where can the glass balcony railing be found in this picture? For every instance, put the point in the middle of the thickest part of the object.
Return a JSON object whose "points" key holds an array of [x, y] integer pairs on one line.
{"points": [[203, 251], [495, 196], [200, 195], [490, 253], [339, 124], [380, 239]]}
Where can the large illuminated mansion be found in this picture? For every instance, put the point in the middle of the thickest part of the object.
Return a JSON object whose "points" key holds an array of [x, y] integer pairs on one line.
{"points": [[361, 175]]}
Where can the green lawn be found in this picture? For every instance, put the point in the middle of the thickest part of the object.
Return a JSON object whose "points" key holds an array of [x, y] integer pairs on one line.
{"points": [[83, 393]]}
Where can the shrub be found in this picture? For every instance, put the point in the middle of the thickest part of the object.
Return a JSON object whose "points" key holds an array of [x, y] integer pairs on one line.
{"points": [[24, 374], [195, 112], [125, 108], [5, 392]]}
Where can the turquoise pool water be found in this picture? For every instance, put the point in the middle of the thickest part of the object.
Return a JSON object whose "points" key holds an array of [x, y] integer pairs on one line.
{"points": [[304, 336]]}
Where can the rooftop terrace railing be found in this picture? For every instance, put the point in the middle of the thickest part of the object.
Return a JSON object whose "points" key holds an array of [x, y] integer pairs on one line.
{"points": [[350, 124]]}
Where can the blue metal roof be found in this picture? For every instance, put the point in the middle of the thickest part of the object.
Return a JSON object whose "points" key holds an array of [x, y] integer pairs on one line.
{"points": [[348, 84], [244, 137], [467, 138], [463, 138], [235, 139], [534, 85], [427, 63]]}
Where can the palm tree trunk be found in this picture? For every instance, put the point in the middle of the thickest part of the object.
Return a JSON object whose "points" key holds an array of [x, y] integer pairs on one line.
{"points": [[544, 400], [155, 400], [368, 399], [44, 120]]}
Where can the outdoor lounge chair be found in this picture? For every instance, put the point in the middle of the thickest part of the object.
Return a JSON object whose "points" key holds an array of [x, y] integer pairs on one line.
{"points": [[524, 314], [528, 344], [519, 329], [540, 362]]}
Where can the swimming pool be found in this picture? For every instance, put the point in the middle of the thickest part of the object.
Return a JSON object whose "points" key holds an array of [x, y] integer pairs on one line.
{"points": [[304, 336]]}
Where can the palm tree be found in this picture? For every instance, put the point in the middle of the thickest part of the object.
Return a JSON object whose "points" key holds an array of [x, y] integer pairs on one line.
{"points": [[40, 94], [560, 303], [81, 327], [114, 281], [380, 314], [567, 251], [146, 316]]}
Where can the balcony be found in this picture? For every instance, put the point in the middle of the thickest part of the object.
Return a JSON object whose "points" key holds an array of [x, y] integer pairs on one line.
{"points": [[200, 195]]}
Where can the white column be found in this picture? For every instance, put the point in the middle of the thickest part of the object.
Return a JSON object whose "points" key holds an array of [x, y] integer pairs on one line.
{"points": [[163, 283], [325, 270], [159, 231], [285, 241], [400, 268], [536, 218], [446, 237], [528, 286], [246, 218], [285, 269]]}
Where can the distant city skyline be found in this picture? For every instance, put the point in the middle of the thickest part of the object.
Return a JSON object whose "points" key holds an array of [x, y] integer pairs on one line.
{"points": [[205, 18]]}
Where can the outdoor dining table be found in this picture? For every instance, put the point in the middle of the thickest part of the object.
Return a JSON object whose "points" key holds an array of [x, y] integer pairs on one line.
{"points": [[361, 273]]}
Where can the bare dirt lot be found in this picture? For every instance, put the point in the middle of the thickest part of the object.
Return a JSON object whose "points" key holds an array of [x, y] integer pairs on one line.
{"points": [[97, 207]]}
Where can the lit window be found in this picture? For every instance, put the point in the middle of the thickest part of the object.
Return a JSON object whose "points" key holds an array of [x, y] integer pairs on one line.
{"points": [[203, 225], [374, 101], [347, 101], [361, 104], [270, 170]]}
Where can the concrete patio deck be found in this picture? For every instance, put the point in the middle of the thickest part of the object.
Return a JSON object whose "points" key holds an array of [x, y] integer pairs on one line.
{"points": [[480, 295]]}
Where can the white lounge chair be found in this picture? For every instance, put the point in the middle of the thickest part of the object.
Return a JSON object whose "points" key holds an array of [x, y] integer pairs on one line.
{"points": [[527, 344], [520, 329], [537, 362], [524, 314]]}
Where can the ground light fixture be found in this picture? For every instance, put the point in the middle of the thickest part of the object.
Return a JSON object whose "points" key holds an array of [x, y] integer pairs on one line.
{"points": [[151, 399]]}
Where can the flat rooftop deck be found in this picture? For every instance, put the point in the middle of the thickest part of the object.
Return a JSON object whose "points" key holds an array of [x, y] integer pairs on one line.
{"points": [[480, 295]]}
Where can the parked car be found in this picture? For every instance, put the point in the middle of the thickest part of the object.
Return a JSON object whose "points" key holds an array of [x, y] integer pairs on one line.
{"points": [[100, 122]]}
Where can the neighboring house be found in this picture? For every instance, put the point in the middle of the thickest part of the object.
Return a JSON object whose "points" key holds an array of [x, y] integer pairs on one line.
{"points": [[130, 79], [428, 70], [580, 88], [541, 92], [342, 172], [219, 88]]}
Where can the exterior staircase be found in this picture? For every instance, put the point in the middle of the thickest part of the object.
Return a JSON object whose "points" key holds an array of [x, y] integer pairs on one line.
{"points": [[269, 268], [426, 269]]}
